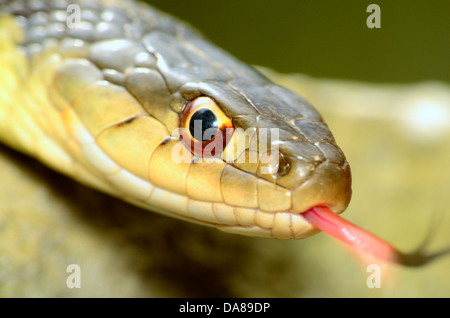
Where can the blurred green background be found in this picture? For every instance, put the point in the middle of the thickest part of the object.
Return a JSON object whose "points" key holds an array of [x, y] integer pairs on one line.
{"points": [[327, 38]]}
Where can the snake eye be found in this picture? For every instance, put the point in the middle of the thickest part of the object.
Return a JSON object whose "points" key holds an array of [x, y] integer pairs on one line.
{"points": [[205, 127]]}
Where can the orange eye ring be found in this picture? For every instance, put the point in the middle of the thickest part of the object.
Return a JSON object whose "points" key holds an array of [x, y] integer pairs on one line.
{"points": [[205, 129]]}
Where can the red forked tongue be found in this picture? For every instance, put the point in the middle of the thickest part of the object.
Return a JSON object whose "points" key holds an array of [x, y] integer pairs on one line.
{"points": [[360, 240]]}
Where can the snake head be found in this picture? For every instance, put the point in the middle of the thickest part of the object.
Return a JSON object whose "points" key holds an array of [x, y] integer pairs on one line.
{"points": [[280, 161]]}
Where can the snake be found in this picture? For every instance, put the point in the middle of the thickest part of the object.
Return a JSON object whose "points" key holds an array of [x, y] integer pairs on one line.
{"points": [[140, 105]]}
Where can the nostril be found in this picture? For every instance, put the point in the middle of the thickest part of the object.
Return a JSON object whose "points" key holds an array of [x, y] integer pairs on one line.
{"points": [[283, 166], [272, 165]]}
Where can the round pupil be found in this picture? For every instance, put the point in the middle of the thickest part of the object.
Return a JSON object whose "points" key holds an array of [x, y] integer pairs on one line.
{"points": [[203, 125]]}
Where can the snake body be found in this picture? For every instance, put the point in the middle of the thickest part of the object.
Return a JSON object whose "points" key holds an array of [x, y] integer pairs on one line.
{"points": [[102, 102]]}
